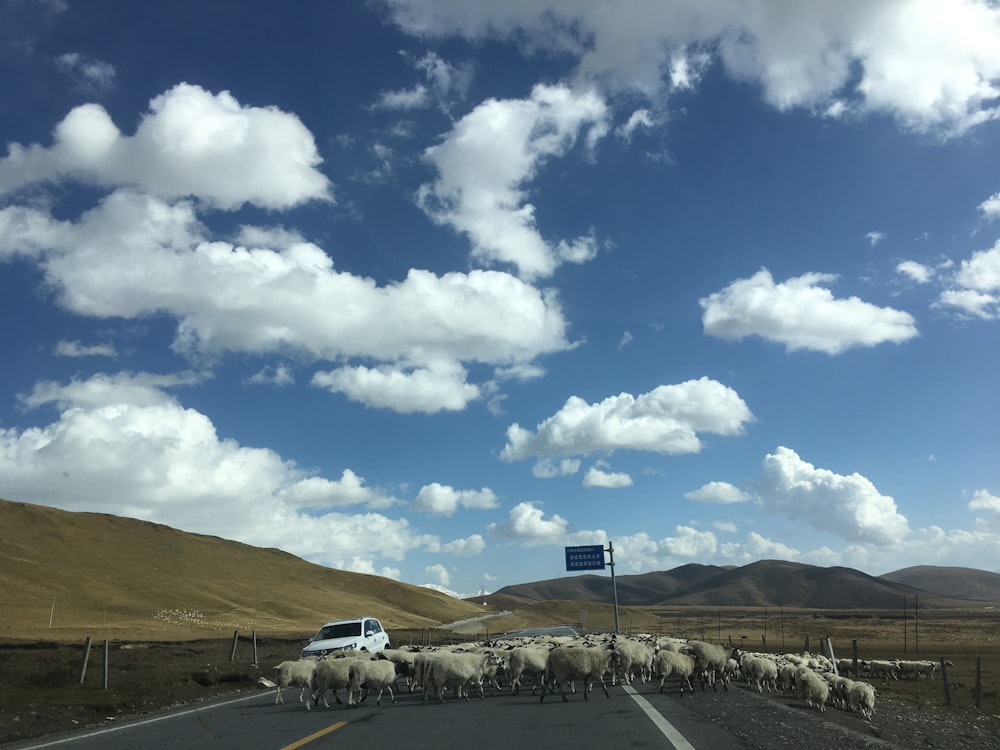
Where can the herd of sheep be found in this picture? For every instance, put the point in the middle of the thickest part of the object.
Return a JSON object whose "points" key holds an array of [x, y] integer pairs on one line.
{"points": [[556, 664]]}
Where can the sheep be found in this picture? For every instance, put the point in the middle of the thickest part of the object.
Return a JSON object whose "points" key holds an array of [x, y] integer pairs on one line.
{"points": [[455, 670], [372, 674], [526, 660], [811, 688], [636, 659], [759, 671], [404, 660], [709, 662], [568, 663], [884, 669], [861, 698], [332, 673], [291, 673], [786, 677], [673, 663], [916, 669]]}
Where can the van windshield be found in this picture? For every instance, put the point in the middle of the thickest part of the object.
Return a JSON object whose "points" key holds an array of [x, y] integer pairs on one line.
{"points": [[338, 630]]}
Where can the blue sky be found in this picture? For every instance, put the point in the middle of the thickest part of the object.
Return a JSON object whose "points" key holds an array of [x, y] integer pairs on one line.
{"points": [[434, 289]]}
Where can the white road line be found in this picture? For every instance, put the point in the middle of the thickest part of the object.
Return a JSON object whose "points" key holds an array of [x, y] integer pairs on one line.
{"points": [[674, 737], [119, 727]]}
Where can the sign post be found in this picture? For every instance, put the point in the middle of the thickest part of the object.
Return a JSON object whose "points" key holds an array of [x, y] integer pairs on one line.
{"points": [[591, 557]]}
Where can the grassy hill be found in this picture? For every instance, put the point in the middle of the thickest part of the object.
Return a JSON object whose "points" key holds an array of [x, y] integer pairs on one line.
{"points": [[967, 583], [105, 575]]}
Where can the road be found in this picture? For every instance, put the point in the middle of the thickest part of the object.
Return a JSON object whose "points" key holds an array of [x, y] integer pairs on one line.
{"points": [[639, 717]]}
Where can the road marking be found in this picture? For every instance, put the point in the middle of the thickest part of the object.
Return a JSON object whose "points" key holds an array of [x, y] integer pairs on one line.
{"points": [[674, 737], [120, 727], [315, 736]]}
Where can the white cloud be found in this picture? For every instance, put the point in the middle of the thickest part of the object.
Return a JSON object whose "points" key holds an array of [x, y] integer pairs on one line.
{"points": [[123, 445], [76, 349], [801, 314], [468, 547], [690, 543], [978, 285], [640, 118], [718, 492], [528, 526], [95, 75], [991, 206], [439, 574], [984, 500], [849, 506], [190, 143], [875, 237], [547, 468], [596, 477], [484, 163], [930, 65], [444, 500], [625, 340], [442, 80], [917, 272], [726, 527], [665, 420], [135, 256], [278, 375]]}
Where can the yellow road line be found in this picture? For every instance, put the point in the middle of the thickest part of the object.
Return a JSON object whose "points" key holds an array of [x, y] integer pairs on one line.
{"points": [[315, 736]]}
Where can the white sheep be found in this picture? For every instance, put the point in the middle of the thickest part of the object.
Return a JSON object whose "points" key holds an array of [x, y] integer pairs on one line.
{"points": [[709, 663], [455, 670], [292, 673], [673, 664], [636, 659], [884, 669], [526, 660], [568, 663], [332, 673], [861, 698], [759, 671], [374, 674], [811, 688]]}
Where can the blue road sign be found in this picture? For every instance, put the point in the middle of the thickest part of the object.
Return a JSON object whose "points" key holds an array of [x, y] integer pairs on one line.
{"points": [[587, 557]]}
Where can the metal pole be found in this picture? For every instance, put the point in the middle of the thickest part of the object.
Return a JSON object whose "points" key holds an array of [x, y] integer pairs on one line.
{"points": [[614, 586]]}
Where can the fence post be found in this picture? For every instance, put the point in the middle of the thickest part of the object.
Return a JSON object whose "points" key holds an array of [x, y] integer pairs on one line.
{"points": [[86, 657], [947, 687], [854, 654], [806, 647], [978, 693], [105, 664], [236, 638], [255, 648]]}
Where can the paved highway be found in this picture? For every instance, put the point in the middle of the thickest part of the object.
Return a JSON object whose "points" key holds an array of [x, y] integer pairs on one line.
{"points": [[632, 717]]}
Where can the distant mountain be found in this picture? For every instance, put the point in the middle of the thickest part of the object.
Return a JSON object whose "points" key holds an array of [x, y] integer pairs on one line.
{"points": [[965, 583], [773, 583]]}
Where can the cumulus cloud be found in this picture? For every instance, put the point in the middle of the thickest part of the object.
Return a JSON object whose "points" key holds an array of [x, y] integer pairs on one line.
{"points": [[135, 255], [984, 500], [76, 349], [528, 526], [444, 500], [976, 286], [122, 444], [690, 542], [484, 163], [277, 375], [718, 492], [991, 206], [917, 272], [439, 574], [468, 547], [801, 313], [190, 143], [665, 420], [848, 506], [597, 477], [928, 65]]}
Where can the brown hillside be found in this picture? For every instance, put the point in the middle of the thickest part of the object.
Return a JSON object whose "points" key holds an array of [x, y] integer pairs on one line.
{"points": [[764, 583], [967, 583], [105, 576]]}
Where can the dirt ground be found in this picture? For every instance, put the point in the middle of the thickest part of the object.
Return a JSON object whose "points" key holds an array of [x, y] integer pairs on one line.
{"points": [[41, 691]]}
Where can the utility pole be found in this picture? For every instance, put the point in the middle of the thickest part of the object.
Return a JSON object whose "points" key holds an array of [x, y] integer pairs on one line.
{"points": [[614, 586]]}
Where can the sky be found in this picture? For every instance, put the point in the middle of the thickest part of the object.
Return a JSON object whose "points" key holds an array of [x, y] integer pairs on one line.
{"points": [[435, 289]]}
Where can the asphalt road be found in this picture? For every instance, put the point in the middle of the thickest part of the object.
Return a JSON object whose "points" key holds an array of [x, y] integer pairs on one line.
{"points": [[633, 717]]}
